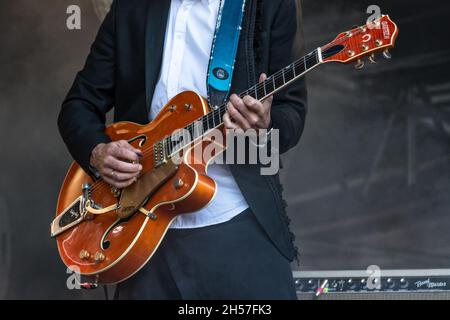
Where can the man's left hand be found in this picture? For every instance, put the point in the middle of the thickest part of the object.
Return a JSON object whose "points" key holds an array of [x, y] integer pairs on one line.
{"points": [[248, 113]]}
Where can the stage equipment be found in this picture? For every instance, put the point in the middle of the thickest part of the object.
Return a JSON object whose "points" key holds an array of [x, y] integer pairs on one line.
{"points": [[5, 248], [427, 284]]}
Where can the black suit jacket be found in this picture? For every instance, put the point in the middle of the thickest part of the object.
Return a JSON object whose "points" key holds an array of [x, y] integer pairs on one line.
{"points": [[123, 66]]}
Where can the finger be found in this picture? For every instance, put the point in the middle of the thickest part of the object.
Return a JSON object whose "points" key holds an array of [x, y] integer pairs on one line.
{"points": [[123, 153], [118, 184], [120, 176], [267, 103], [235, 113], [125, 144], [262, 77], [268, 100], [121, 166], [255, 109], [241, 105], [228, 123]]}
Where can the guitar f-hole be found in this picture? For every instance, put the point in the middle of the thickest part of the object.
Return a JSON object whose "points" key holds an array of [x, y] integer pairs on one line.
{"points": [[142, 140], [104, 242]]}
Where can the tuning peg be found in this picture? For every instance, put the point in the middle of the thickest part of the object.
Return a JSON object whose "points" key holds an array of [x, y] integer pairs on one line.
{"points": [[387, 54], [372, 58], [359, 64]]}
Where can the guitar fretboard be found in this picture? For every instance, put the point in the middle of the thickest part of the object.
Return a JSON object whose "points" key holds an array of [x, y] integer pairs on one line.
{"points": [[260, 91]]}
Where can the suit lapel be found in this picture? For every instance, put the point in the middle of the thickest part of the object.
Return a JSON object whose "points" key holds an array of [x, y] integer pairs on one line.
{"points": [[157, 14]]}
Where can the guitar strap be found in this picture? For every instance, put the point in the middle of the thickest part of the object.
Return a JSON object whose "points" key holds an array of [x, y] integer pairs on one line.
{"points": [[224, 49]]}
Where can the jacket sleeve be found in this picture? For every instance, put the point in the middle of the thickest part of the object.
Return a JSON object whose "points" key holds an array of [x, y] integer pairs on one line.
{"points": [[82, 117], [289, 106]]}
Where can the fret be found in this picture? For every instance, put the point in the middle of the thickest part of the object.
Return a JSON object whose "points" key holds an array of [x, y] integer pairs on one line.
{"points": [[205, 123], [200, 131], [311, 60], [284, 78], [317, 56], [218, 115], [168, 142], [256, 92], [210, 122], [173, 146], [279, 82], [264, 87], [190, 128], [269, 85], [245, 93], [299, 69], [289, 74], [179, 139], [165, 147], [293, 69], [261, 90], [195, 134]]}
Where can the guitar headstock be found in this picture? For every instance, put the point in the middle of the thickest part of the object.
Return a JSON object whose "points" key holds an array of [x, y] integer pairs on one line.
{"points": [[359, 42]]}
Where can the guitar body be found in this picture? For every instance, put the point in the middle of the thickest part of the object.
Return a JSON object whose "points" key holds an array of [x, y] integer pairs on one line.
{"points": [[108, 249]]}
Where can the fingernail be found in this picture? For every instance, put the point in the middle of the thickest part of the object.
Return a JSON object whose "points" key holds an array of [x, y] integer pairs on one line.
{"points": [[140, 167]]}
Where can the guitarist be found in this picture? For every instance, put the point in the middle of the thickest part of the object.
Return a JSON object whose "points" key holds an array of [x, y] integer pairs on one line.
{"points": [[147, 51]]}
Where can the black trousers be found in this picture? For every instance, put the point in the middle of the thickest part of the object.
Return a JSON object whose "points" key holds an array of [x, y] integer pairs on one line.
{"points": [[232, 260]]}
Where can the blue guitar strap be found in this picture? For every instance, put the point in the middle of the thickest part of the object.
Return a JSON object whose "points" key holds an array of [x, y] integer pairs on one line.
{"points": [[224, 49]]}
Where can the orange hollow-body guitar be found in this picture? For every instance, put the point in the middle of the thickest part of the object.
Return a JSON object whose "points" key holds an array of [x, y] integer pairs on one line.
{"points": [[112, 249], [107, 234]]}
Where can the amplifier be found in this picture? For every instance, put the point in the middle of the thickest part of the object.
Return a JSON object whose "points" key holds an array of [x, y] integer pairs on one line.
{"points": [[427, 284], [5, 247]]}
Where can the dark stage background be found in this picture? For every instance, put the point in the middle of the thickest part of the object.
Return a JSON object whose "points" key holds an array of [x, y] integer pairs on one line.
{"points": [[369, 183]]}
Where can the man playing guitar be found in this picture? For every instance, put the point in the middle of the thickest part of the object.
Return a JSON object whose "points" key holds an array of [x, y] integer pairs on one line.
{"points": [[146, 52]]}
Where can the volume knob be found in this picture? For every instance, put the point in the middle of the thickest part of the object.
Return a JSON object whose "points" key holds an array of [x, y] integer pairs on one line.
{"points": [[99, 257], [84, 255], [404, 283]]}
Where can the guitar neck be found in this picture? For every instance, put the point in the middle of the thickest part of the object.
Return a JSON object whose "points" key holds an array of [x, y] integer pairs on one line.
{"points": [[269, 87], [352, 45], [285, 76], [260, 91]]}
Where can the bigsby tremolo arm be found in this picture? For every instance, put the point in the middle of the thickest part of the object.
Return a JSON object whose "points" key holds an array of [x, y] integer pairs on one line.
{"points": [[82, 209]]}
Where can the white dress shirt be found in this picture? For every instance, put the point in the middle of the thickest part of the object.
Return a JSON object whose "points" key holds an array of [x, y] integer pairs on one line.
{"points": [[187, 49]]}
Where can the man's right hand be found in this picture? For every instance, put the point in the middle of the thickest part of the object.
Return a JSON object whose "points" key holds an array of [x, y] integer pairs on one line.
{"points": [[117, 163]]}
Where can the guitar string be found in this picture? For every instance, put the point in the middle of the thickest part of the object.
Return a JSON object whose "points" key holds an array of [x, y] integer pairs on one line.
{"points": [[257, 88], [274, 77], [262, 85]]}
